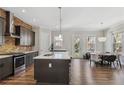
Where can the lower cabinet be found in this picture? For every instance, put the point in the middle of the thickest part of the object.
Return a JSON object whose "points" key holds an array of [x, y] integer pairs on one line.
{"points": [[29, 58], [6, 67]]}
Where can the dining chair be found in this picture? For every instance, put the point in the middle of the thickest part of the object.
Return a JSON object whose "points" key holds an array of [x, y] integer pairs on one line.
{"points": [[118, 60], [110, 59], [94, 58]]}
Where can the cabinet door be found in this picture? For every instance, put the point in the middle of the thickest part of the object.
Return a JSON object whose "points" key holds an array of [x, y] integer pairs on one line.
{"points": [[31, 58], [34, 54], [1, 69], [28, 38], [22, 41], [32, 38], [51, 71], [25, 38], [60, 70], [42, 69], [6, 67], [27, 60], [1, 30]]}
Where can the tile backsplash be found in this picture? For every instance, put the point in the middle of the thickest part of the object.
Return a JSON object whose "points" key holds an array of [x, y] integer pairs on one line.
{"points": [[9, 46]]}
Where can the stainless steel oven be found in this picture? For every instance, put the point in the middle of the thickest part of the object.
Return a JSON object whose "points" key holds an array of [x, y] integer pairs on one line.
{"points": [[19, 63]]}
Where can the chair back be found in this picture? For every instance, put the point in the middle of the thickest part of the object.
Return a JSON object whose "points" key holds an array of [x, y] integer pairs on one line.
{"points": [[109, 58]]}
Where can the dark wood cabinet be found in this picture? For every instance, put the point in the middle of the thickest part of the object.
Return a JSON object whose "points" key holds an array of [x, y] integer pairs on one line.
{"points": [[29, 58], [2, 30], [19, 22], [48, 71], [6, 67], [2, 25], [2, 13], [32, 38], [27, 36]]}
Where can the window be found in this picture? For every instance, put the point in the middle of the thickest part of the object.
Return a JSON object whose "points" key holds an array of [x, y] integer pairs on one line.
{"points": [[77, 45], [91, 43], [117, 42]]}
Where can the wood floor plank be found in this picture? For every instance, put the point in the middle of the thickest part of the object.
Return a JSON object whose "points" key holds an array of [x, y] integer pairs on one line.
{"points": [[81, 73]]}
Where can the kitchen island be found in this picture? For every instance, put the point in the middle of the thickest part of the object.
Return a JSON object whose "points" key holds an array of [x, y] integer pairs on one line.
{"points": [[52, 68]]}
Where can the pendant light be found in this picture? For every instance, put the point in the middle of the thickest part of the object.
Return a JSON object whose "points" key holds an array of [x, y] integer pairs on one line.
{"points": [[60, 23], [103, 38]]}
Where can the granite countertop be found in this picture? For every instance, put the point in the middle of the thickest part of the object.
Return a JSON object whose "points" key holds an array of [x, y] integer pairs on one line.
{"points": [[26, 52], [5, 56], [54, 55]]}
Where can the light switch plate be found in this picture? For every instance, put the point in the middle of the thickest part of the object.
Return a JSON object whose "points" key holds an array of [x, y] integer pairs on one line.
{"points": [[50, 65]]}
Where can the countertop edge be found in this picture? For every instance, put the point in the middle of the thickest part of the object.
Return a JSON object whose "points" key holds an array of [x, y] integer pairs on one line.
{"points": [[5, 56], [57, 55], [30, 51]]}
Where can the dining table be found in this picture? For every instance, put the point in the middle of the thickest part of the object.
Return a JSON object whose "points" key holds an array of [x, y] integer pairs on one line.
{"points": [[101, 56]]}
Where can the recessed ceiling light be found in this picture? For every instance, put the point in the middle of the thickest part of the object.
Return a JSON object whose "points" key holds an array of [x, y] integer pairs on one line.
{"points": [[23, 10], [101, 23]]}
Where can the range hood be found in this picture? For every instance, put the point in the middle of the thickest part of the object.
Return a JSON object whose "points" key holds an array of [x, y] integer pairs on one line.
{"points": [[10, 28]]}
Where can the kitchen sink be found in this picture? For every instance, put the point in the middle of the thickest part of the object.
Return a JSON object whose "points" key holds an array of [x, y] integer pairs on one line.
{"points": [[48, 54]]}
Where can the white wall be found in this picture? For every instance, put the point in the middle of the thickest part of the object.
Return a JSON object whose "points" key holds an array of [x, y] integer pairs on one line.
{"points": [[69, 39], [44, 39], [108, 47]]}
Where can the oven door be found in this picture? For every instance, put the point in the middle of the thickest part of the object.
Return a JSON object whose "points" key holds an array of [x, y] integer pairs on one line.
{"points": [[19, 63]]}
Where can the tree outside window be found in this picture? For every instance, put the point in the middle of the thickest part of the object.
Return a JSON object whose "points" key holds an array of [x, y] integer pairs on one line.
{"points": [[117, 42]]}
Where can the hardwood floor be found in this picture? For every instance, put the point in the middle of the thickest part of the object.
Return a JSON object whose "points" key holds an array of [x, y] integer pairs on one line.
{"points": [[23, 78], [81, 73]]}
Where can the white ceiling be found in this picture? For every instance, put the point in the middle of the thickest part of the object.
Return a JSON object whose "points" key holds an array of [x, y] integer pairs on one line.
{"points": [[86, 18]]}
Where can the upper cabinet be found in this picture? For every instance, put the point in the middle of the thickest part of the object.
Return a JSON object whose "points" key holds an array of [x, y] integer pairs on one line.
{"points": [[33, 38], [2, 26], [11, 22], [19, 22], [14, 27], [24, 30], [27, 36], [2, 13], [2, 30]]}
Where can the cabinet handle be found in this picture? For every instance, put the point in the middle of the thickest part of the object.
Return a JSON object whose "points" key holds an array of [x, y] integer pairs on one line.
{"points": [[50, 65]]}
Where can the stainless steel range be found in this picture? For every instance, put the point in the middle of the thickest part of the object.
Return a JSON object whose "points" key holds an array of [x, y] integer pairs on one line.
{"points": [[18, 62]]}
